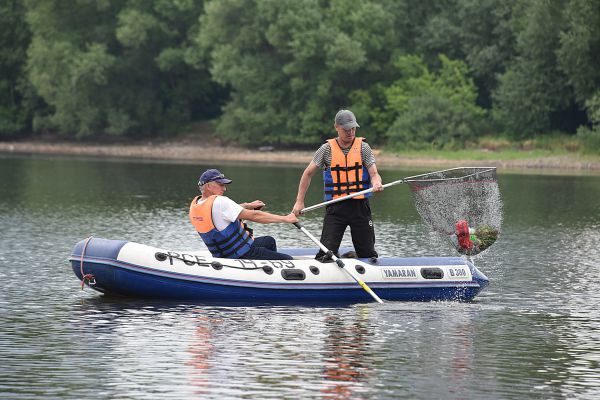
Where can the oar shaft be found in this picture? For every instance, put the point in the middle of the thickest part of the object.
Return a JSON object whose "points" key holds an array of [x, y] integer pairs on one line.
{"points": [[326, 203], [339, 262], [314, 239]]}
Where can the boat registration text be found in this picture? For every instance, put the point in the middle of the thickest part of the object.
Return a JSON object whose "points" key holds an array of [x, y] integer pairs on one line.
{"points": [[398, 273]]}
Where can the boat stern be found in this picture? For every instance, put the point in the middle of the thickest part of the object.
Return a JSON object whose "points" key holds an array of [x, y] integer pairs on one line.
{"points": [[92, 251]]}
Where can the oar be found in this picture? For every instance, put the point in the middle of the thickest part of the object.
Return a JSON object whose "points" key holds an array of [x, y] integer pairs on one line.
{"points": [[338, 261], [311, 208]]}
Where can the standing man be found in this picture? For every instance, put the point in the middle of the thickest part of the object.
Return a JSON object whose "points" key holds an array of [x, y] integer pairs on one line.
{"points": [[348, 167], [217, 219]]}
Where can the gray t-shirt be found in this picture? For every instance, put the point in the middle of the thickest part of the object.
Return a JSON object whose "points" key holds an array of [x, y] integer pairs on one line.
{"points": [[322, 157]]}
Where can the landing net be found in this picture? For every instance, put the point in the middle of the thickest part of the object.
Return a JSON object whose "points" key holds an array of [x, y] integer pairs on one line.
{"points": [[462, 204]]}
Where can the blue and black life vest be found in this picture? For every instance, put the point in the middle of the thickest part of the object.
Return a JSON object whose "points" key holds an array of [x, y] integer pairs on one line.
{"points": [[232, 242]]}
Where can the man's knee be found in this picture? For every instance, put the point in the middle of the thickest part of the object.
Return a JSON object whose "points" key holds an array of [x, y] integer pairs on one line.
{"points": [[268, 242]]}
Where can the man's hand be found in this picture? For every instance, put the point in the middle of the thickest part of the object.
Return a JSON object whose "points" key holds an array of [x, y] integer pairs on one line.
{"points": [[377, 186], [291, 218], [375, 178], [255, 205], [298, 206]]}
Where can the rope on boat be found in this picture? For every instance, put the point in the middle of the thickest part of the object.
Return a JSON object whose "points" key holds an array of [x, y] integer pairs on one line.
{"points": [[89, 278]]}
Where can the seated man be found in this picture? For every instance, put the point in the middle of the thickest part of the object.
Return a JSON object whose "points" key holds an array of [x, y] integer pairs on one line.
{"points": [[218, 221]]}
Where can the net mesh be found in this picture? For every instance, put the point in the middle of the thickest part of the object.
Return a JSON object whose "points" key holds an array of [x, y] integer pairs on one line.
{"points": [[462, 204]]}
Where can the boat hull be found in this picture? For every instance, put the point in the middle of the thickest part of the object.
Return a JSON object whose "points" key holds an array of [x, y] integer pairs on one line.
{"points": [[135, 270]]}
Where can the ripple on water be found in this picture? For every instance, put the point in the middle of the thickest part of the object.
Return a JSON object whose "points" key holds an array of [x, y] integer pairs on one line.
{"points": [[533, 333]]}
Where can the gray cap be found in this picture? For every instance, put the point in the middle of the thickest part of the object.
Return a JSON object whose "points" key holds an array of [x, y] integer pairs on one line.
{"points": [[346, 119]]}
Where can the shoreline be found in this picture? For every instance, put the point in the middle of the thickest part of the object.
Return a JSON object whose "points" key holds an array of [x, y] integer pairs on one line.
{"points": [[185, 151]]}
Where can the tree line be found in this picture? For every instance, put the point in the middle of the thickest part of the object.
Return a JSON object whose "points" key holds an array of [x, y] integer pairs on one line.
{"points": [[417, 74]]}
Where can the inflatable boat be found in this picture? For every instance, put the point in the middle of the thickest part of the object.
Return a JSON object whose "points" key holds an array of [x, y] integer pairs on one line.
{"points": [[131, 269]]}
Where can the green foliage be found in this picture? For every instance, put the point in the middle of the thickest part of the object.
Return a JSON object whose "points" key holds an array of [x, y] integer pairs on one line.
{"points": [[17, 100], [433, 109], [118, 67], [276, 71], [533, 87], [370, 105], [579, 49], [590, 140], [590, 137], [475, 31], [73, 83], [486, 235], [292, 64]]}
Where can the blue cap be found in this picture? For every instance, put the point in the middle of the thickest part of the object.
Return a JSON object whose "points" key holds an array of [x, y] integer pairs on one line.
{"points": [[212, 175]]}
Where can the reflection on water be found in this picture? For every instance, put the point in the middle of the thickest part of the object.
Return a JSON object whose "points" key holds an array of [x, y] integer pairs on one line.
{"points": [[346, 368], [533, 333], [201, 350]]}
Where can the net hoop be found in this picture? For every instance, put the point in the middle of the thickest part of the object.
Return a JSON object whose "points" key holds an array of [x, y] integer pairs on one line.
{"points": [[462, 204], [475, 171]]}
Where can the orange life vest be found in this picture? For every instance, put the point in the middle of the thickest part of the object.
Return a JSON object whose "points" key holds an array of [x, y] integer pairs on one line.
{"points": [[346, 174], [232, 242]]}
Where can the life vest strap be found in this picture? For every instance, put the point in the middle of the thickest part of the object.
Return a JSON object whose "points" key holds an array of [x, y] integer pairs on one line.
{"points": [[237, 235], [356, 167], [346, 187], [342, 191], [240, 237], [226, 251], [339, 184]]}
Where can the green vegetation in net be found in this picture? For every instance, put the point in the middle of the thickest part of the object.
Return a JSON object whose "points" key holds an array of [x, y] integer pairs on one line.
{"points": [[485, 236]]}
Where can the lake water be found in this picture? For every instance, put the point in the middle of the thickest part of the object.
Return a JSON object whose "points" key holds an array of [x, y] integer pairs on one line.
{"points": [[534, 333]]}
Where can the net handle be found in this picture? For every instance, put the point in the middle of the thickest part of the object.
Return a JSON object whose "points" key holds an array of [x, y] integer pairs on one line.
{"points": [[326, 203]]}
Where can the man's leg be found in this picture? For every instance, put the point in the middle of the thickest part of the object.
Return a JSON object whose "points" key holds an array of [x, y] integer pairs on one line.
{"points": [[265, 248], [334, 226], [268, 242], [362, 230], [262, 253]]}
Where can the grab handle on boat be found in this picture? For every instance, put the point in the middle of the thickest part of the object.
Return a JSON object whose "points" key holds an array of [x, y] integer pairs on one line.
{"points": [[338, 261]]}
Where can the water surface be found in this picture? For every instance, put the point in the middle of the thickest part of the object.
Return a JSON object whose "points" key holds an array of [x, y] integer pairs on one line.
{"points": [[533, 333]]}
